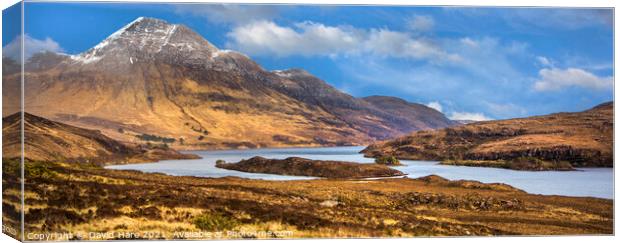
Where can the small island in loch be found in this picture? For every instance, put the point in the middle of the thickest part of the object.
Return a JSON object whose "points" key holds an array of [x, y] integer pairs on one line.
{"points": [[315, 168]]}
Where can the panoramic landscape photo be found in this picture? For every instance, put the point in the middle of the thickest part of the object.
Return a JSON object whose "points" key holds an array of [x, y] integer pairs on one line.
{"points": [[231, 121]]}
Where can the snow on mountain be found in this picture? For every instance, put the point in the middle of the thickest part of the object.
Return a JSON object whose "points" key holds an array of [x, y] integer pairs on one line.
{"points": [[147, 39]]}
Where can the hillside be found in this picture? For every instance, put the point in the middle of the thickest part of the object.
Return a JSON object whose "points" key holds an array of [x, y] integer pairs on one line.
{"points": [[162, 81], [47, 140], [579, 138]]}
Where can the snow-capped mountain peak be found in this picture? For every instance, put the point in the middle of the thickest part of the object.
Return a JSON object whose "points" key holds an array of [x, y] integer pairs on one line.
{"points": [[148, 39]]}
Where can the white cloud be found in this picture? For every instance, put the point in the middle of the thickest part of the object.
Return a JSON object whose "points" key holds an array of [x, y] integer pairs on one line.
{"points": [[316, 39], [469, 42], [544, 61], [268, 38], [31, 46], [435, 105], [468, 116], [421, 23], [555, 79], [229, 13], [389, 43]]}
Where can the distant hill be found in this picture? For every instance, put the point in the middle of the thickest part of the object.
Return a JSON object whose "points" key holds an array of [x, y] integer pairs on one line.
{"points": [[409, 117], [152, 79], [47, 140], [580, 138]]}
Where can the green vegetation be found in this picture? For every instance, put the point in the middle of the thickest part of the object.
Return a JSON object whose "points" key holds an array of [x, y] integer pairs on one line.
{"points": [[155, 138], [532, 163], [520, 163], [150, 145], [11, 166], [215, 222], [387, 160], [42, 170], [31, 168], [220, 162]]}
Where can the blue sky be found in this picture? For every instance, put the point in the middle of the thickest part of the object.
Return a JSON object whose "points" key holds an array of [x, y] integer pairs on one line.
{"points": [[470, 63]]}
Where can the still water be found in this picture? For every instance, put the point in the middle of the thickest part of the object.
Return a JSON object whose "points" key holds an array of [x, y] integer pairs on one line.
{"points": [[595, 182]]}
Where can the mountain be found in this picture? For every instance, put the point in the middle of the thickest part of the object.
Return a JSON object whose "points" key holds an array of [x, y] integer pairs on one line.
{"points": [[155, 81], [381, 117], [408, 116], [580, 138], [47, 140]]}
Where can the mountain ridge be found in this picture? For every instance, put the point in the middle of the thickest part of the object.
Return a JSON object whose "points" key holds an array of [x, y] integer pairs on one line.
{"points": [[155, 78]]}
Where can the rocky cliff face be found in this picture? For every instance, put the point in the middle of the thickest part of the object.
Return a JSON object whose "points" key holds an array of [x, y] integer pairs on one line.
{"points": [[581, 138], [152, 79]]}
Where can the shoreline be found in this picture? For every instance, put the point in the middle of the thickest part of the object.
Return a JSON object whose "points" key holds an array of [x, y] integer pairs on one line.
{"points": [[406, 176], [487, 164], [442, 170], [247, 149]]}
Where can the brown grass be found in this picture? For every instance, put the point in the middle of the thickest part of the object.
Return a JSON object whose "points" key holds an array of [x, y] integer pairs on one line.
{"points": [[84, 199]]}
